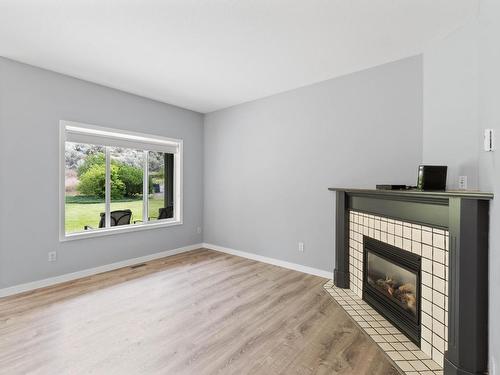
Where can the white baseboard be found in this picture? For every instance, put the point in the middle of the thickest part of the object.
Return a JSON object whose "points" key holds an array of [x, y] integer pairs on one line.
{"points": [[16, 289], [273, 261]]}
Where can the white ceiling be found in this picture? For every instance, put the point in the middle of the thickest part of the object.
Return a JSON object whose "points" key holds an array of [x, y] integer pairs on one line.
{"points": [[206, 55]]}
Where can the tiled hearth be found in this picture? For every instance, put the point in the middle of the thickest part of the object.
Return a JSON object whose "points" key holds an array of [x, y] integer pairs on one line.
{"points": [[406, 355], [432, 245]]}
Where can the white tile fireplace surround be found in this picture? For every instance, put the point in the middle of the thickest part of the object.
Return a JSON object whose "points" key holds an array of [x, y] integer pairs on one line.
{"points": [[429, 243], [432, 245]]}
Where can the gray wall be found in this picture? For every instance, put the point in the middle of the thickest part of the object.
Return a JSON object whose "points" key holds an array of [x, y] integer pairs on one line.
{"points": [[268, 163], [32, 101], [450, 134], [461, 98]]}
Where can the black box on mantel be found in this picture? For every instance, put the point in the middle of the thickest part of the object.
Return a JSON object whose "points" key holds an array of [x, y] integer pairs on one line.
{"points": [[432, 177], [390, 187]]}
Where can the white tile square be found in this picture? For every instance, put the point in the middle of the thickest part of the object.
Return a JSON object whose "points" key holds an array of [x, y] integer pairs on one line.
{"points": [[416, 247], [439, 255], [426, 347], [437, 343], [401, 337], [418, 365], [427, 306], [427, 237], [386, 324], [392, 339], [399, 347], [395, 356], [378, 338], [390, 228], [438, 231], [426, 279], [398, 242], [438, 313], [438, 328], [421, 355], [411, 346], [426, 321], [407, 244], [383, 226], [357, 318], [426, 265], [371, 331], [437, 356], [407, 232], [426, 292], [386, 347], [438, 269], [431, 364], [438, 284], [438, 299], [404, 365], [406, 354], [393, 330], [390, 239], [398, 229], [427, 251], [416, 235], [438, 240], [383, 331], [383, 236]]}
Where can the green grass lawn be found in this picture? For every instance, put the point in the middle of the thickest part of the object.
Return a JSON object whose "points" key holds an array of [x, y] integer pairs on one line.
{"points": [[80, 214]]}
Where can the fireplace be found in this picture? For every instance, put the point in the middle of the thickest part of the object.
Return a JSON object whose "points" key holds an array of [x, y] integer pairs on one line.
{"points": [[449, 231], [391, 285]]}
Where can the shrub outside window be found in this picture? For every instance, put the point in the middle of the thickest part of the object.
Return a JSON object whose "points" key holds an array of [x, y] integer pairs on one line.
{"points": [[115, 181]]}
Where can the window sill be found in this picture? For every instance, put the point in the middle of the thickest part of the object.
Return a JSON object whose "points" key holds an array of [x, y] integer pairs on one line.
{"points": [[119, 230]]}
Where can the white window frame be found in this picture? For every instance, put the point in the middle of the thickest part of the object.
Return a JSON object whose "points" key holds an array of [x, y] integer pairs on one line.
{"points": [[129, 140]]}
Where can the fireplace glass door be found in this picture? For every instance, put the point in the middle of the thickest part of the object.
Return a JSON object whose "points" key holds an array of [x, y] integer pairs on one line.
{"points": [[391, 285], [395, 282]]}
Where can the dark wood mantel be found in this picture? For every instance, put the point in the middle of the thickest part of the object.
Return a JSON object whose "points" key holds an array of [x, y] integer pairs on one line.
{"points": [[466, 216]]}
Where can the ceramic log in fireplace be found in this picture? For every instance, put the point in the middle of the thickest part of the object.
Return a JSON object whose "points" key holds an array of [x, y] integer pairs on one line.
{"points": [[391, 285]]}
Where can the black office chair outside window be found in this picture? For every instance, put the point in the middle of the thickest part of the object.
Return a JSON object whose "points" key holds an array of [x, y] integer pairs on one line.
{"points": [[166, 212], [118, 217]]}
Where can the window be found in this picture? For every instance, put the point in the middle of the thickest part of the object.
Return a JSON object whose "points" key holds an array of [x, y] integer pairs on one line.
{"points": [[115, 181]]}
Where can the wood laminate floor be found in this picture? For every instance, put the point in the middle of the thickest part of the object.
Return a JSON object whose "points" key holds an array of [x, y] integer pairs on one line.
{"points": [[201, 312]]}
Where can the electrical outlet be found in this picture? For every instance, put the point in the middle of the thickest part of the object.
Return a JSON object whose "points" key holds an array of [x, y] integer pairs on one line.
{"points": [[198, 230], [462, 182], [52, 256], [301, 247]]}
